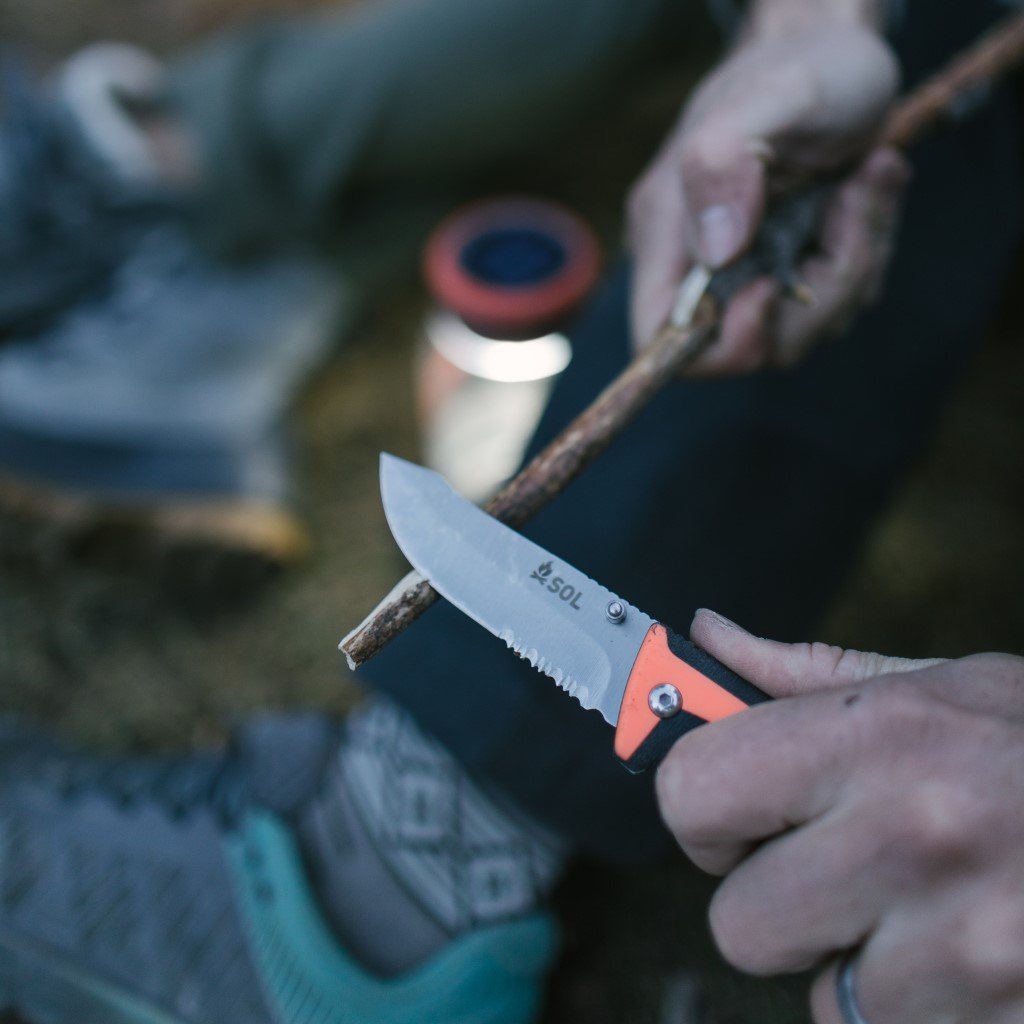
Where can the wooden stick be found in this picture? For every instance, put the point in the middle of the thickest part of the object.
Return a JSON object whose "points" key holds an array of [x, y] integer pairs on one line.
{"points": [[673, 349], [978, 68]]}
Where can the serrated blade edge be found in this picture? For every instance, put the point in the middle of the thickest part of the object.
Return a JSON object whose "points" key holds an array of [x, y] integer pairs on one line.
{"points": [[547, 612]]}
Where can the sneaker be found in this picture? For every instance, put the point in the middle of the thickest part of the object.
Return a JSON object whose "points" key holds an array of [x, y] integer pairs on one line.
{"points": [[77, 183], [172, 891], [160, 405]]}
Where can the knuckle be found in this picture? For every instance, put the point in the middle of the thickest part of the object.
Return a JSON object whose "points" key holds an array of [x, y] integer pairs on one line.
{"points": [[705, 152], [686, 811], [823, 997], [737, 938], [830, 658], [693, 160], [1007, 669], [984, 949], [935, 828], [824, 661], [669, 786], [849, 664]]}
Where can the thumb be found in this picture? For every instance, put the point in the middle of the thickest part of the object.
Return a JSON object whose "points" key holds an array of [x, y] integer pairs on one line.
{"points": [[724, 187], [788, 670]]}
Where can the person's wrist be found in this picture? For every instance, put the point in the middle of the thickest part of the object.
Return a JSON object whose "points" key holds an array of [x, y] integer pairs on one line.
{"points": [[773, 19]]}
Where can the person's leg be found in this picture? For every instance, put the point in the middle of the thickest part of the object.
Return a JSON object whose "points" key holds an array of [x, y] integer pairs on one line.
{"points": [[293, 114], [751, 496]]}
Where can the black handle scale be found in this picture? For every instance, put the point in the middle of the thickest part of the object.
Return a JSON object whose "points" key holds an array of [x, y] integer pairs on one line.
{"points": [[668, 730]]}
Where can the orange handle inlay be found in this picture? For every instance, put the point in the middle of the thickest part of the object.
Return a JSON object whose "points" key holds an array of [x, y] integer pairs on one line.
{"points": [[655, 664]]}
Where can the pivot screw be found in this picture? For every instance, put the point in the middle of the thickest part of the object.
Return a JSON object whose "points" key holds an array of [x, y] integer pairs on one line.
{"points": [[616, 612], [664, 700]]}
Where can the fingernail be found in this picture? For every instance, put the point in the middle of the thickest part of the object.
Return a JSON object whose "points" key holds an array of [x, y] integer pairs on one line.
{"points": [[720, 234], [721, 620]]}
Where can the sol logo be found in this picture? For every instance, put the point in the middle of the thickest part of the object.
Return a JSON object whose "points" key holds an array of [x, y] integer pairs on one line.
{"points": [[556, 585]]}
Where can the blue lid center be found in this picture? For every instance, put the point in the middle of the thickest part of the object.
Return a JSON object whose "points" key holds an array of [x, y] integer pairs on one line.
{"points": [[513, 256]]}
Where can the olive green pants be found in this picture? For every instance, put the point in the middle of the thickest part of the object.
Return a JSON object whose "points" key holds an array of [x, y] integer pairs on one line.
{"points": [[301, 118]]}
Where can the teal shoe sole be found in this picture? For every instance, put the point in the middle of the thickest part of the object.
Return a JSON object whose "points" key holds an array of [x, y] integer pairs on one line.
{"points": [[494, 975]]}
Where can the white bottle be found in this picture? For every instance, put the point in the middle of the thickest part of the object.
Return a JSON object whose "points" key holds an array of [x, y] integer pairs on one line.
{"points": [[506, 274]]}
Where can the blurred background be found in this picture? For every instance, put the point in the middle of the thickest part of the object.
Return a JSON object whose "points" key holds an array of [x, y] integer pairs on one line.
{"points": [[105, 643]]}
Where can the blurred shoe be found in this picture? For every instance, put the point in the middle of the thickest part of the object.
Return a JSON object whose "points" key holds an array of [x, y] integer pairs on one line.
{"points": [[173, 891], [159, 406], [77, 181]]}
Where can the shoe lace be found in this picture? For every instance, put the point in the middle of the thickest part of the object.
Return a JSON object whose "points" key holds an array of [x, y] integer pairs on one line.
{"points": [[179, 785]]}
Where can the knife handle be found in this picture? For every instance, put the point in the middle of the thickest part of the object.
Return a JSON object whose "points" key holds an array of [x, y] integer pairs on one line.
{"points": [[674, 686]]}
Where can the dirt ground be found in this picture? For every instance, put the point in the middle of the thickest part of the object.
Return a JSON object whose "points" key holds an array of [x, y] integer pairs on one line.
{"points": [[113, 652]]}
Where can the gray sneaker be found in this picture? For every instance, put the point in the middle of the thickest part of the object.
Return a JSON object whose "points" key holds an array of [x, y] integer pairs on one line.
{"points": [[172, 891], [77, 185], [160, 405]]}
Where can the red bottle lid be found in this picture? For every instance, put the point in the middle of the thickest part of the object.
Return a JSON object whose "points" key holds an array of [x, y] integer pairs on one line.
{"points": [[512, 267]]}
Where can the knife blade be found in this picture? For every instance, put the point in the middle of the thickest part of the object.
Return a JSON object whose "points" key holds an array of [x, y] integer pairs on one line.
{"points": [[647, 681]]}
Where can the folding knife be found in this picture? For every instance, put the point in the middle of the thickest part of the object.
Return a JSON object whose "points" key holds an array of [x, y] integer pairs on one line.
{"points": [[650, 683]]}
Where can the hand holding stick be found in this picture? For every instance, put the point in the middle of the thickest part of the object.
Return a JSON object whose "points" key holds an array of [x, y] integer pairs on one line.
{"points": [[547, 475]]}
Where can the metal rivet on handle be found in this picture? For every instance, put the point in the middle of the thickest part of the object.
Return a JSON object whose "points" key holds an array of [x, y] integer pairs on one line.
{"points": [[665, 700], [616, 612]]}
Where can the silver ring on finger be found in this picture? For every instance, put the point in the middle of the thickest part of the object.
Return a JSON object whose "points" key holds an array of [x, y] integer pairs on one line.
{"points": [[846, 991]]}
